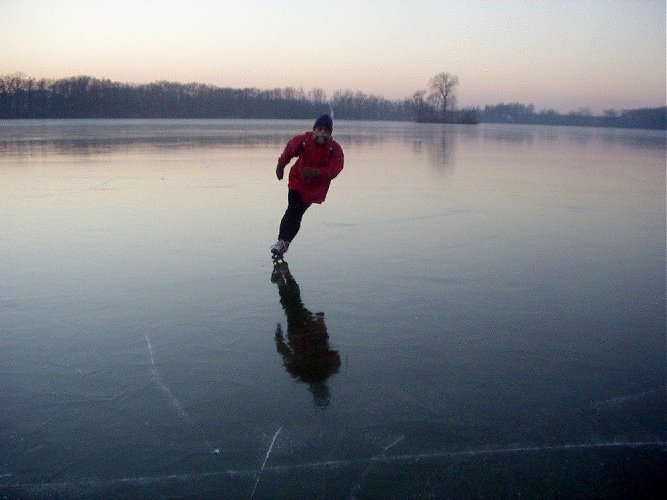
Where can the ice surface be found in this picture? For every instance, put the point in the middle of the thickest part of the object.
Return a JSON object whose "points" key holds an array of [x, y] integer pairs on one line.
{"points": [[474, 311]]}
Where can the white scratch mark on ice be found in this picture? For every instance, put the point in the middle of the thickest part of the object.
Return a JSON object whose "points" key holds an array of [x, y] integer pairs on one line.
{"points": [[401, 438], [158, 380], [259, 475], [472, 453], [47, 488], [519, 449], [150, 350], [357, 487], [628, 397]]}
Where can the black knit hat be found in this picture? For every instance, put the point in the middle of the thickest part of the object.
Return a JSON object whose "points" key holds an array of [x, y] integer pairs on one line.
{"points": [[324, 121]]}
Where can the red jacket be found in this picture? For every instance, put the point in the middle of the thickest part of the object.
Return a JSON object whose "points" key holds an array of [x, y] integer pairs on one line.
{"points": [[327, 158]]}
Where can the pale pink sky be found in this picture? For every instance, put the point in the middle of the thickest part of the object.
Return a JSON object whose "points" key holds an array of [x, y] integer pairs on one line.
{"points": [[554, 54]]}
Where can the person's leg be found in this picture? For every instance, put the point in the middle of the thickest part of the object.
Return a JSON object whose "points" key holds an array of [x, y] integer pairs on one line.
{"points": [[291, 221]]}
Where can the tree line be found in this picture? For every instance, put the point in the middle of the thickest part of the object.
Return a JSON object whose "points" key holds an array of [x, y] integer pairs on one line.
{"points": [[648, 118], [88, 97]]}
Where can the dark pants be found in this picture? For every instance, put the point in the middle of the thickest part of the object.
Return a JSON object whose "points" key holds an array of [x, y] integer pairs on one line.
{"points": [[291, 222]]}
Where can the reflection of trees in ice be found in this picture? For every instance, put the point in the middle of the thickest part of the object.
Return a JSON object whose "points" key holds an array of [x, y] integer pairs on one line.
{"points": [[438, 145], [441, 150], [306, 353]]}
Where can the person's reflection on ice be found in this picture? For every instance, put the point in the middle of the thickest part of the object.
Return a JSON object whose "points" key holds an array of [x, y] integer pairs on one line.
{"points": [[306, 353]]}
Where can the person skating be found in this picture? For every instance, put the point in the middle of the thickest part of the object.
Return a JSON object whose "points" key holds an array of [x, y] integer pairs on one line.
{"points": [[319, 160]]}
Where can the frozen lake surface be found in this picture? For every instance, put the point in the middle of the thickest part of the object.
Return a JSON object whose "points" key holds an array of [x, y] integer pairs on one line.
{"points": [[474, 311]]}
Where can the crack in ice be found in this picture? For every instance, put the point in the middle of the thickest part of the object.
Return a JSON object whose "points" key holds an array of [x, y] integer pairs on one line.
{"points": [[628, 397], [259, 475], [357, 487], [158, 380], [62, 486]]}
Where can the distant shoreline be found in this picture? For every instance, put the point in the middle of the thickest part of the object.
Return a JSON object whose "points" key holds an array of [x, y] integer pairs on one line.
{"points": [[85, 97], [98, 118]]}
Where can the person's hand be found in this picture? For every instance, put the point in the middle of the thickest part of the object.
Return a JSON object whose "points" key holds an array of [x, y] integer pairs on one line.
{"points": [[280, 171], [309, 173]]}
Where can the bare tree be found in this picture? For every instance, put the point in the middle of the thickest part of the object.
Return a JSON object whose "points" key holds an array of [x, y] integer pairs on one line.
{"points": [[442, 92], [418, 98], [421, 108], [317, 95]]}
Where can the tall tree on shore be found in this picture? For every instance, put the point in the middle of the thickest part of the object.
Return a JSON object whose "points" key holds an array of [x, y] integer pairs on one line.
{"points": [[421, 108], [442, 92]]}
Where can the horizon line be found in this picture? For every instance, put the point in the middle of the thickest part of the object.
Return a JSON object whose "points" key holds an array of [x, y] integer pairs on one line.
{"points": [[582, 108]]}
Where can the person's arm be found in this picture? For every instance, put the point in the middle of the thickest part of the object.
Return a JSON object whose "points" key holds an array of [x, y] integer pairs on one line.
{"points": [[292, 149], [335, 163]]}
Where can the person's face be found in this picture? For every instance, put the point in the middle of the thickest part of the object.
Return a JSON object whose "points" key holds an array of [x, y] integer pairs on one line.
{"points": [[321, 135]]}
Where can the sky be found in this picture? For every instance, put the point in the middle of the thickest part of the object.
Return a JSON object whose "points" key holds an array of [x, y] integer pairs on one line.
{"points": [[555, 54]]}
